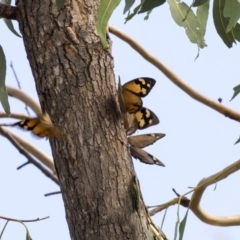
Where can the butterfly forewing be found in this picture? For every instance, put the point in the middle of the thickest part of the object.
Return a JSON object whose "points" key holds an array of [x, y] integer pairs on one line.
{"points": [[146, 118], [144, 140], [140, 86], [144, 156]]}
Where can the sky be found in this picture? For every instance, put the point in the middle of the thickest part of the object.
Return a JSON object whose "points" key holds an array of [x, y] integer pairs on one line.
{"points": [[198, 143]]}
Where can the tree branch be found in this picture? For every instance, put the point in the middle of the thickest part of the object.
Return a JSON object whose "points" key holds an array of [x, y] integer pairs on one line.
{"points": [[19, 94], [15, 143], [16, 220], [13, 115], [219, 107], [197, 195], [194, 203], [8, 12]]}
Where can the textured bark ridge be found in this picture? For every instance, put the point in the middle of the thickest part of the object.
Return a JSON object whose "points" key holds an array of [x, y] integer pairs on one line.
{"points": [[75, 83]]}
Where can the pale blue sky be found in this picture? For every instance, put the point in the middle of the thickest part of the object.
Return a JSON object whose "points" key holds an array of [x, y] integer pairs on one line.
{"points": [[198, 142]]}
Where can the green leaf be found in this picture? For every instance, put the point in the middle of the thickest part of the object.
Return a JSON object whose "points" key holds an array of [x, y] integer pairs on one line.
{"points": [[231, 11], [28, 237], [128, 5], [135, 11], [236, 32], [198, 3], [104, 12], [202, 17], [150, 4], [185, 17], [182, 226], [11, 27], [60, 3], [221, 23], [3, 92], [236, 91], [237, 141]]}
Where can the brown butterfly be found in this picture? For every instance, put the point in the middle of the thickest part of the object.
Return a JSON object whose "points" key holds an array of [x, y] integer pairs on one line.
{"points": [[144, 140], [144, 156], [134, 90], [40, 126]]}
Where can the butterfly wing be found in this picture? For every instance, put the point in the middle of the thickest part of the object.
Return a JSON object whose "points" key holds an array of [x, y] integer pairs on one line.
{"points": [[144, 140], [140, 86], [146, 118], [144, 156]]}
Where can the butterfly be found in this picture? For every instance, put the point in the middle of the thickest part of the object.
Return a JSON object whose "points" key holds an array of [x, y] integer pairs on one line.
{"points": [[40, 126], [144, 156], [134, 90], [144, 140]]}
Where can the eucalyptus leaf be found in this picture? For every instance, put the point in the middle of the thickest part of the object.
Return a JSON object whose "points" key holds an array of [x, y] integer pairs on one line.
{"points": [[185, 17], [28, 237], [60, 3], [198, 3], [238, 141], [202, 17], [3, 92], [104, 12], [135, 11], [128, 5], [11, 27], [150, 4], [221, 23], [231, 11], [236, 91], [182, 226], [7, 2]]}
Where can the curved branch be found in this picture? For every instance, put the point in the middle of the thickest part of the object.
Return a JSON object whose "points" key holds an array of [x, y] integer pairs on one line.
{"points": [[16, 220], [19, 94], [227, 112], [197, 195], [23, 151], [8, 12], [42, 157]]}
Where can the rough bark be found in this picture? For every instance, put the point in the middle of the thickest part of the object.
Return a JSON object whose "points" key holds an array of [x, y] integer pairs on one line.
{"points": [[75, 83]]}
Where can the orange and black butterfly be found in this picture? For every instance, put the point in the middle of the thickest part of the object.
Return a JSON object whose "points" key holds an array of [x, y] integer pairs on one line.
{"points": [[40, 126], [134, 90]]}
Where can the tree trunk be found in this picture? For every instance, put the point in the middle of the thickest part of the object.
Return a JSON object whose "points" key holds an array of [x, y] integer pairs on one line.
{"points": [[75, 83]]}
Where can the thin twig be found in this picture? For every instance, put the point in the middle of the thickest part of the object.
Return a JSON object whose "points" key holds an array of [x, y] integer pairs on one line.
{"points": [[17, 220], [19, 85], [219, 107], [52, 193], [28, 156], [23, 165], [41, 156]]}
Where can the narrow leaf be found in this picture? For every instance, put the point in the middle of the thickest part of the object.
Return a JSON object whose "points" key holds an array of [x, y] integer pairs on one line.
{"points": [[150, 4], [182, 226], [59, 4], [104, 12], [11, 27], [221, 23], [7, 2], [237, 141], [5, 225], [128, 5], [236, 91], [3, 92], [185, 17], [198, 3], [231, 11], [28, 237], [202, 17]]}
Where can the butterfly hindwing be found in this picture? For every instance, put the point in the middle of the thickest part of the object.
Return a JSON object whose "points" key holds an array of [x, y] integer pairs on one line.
{"points": [[144, 140], [146, 118], [144, 156]]}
